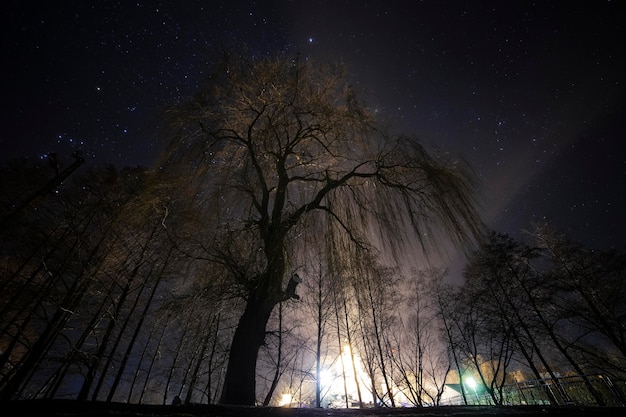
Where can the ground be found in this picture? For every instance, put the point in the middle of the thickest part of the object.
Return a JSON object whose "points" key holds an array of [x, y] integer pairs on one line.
{"points": [[60, 408]]}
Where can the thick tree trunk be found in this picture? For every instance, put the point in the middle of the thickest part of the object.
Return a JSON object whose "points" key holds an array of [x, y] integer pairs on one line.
{"points": [[279, 357], [240, 382], [240, 379]]}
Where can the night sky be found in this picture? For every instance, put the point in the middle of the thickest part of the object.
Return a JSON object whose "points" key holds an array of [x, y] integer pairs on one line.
{"points": [[532, 94]]}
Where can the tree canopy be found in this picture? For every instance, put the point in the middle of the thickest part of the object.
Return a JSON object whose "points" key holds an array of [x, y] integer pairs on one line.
{"points": [[275, 156]]}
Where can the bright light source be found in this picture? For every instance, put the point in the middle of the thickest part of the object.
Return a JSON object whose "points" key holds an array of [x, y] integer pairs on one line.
{"points": [[471, 383], [285, 400], [326, 378]]}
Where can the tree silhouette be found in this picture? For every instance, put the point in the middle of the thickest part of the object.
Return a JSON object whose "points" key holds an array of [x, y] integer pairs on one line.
{"points": [[270, 146]]}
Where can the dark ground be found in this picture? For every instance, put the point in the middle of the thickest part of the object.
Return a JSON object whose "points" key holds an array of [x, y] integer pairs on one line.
{"points": [[60, 408]]}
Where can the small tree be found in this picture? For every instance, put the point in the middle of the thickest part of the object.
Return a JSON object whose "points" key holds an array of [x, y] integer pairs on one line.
{"points": [[270, 143], [422, 360]]}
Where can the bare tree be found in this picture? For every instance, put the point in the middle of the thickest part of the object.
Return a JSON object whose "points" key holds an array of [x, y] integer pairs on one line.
{"points": [[422, 361], [319, 305], [501, 269], [592, 284], [344, 323], [446, 299], [589, 294], [487, 344], [269, 143], [376, 290], [78, 223]]}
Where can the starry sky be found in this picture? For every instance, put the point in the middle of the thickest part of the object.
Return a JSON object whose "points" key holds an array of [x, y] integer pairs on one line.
{"points": [[530, 93]]}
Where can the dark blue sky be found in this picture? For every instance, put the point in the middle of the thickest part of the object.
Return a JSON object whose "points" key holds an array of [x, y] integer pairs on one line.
{"points": [[532, 94]]}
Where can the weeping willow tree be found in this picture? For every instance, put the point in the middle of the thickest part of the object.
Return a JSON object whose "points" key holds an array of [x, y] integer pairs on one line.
{"points": [[272, 149]]}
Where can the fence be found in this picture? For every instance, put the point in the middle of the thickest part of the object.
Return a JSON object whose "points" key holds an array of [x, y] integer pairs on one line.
{"points": [[570, 390]]}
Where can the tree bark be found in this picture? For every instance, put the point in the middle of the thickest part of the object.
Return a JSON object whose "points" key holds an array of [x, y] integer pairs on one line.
{"points": [[279, 357], [239, 384]]}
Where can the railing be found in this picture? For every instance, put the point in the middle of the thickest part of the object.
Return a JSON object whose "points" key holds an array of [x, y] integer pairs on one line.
{"points": [[570, 390]]}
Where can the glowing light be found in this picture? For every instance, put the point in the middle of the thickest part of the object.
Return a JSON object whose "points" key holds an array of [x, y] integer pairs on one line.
{"points": [[326, 378], [339, 379], [471, 382], [285, 400]]}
